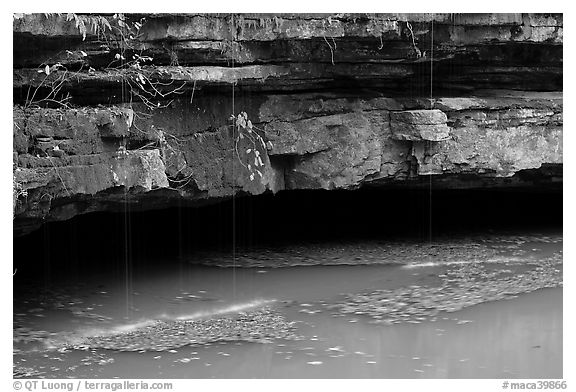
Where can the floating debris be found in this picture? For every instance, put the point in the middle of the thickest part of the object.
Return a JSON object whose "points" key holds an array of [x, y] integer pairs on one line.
{"points": [[26, 372], [445, 251], [27, 335], [263, 326], [462, 286], [462, 274], [308, 311]]}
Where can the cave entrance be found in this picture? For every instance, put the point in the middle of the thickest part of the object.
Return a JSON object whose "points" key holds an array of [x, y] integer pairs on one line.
{"points": [[285, 218]]}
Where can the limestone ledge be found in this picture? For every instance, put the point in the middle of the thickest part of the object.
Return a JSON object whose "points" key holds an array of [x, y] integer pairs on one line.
{"points": [[313, 141]]}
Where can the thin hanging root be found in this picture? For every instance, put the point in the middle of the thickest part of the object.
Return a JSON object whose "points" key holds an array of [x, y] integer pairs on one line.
{"points": [[59, 176], [381, 43], [411, 32], [193, 90], [431, 59], [418, 52], [331, 50]]}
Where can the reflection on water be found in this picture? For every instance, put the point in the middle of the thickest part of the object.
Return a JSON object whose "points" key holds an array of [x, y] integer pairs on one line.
{"points": [[516, 338]]}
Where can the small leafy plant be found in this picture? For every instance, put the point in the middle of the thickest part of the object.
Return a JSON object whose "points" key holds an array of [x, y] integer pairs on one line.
{"points": [[246, 130], [98, 24]]}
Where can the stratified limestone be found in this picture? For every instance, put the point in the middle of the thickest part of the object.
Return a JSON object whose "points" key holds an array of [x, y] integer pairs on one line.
{"points": [[294, 51], [419, 125], [502, 140], [271, 27], [312, 141], [501, 152], [132, 171], [352, 151], [420, 117], [337, 101], [58, 132], [420, 132]]}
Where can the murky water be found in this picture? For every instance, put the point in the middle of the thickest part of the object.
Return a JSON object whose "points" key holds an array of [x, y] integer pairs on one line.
{"points": [[474, 307]]}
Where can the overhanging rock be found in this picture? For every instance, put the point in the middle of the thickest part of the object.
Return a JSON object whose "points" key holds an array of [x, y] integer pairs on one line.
{"points": [[333, 101]]}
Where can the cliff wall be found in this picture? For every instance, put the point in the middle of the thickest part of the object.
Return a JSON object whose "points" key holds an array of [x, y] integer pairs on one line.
{"points": [[154, 110]]}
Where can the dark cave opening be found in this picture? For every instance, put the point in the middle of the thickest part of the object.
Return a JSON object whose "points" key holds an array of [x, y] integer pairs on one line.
{"points": [[103, 239]]}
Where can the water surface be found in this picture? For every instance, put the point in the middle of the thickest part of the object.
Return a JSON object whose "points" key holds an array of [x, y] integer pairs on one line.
{"points": [[497, 312]]}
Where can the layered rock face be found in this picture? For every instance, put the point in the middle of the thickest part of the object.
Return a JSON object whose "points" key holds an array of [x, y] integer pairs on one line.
{"points": [[153, 110]]}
